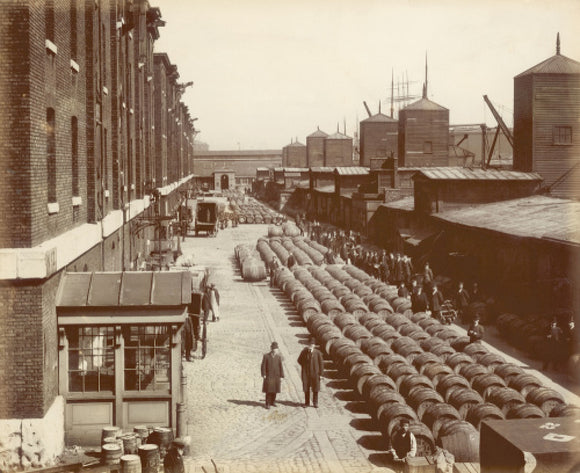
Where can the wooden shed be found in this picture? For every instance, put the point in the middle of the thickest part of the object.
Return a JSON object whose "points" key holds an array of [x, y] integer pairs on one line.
{"points": [[119, 357]]}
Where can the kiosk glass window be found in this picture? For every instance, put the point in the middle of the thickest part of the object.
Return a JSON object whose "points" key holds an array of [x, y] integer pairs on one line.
{"points": [[91, 359], [147, 358]]}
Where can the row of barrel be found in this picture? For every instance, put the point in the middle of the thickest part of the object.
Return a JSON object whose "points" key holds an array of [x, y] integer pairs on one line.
{"points": [[139, 451], [285, 240], [409, 365], [254, 212]]}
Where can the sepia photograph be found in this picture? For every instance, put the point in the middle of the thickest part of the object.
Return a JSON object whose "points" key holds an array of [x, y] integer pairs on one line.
{"points": [[261, 236]]}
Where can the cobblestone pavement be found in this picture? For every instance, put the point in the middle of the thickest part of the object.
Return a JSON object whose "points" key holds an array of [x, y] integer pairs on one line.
{"points": [[227, 419]]}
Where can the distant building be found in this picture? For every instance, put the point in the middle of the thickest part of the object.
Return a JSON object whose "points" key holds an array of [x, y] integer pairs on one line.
{"points": [[423, 134], [294, 155], [546, 126], [379, 138], [338, 150], [315, 148]]}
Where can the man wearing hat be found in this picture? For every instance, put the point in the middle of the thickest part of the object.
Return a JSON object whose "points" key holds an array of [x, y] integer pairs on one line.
{"points": [[312, 364], [173, 461], [272, 374]]}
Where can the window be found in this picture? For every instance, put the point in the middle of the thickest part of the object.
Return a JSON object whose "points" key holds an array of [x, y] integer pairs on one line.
{"points": [[428, 147], [74, 128], [74, 29], [562, 135], [91, 359], [51, 154], [147, 358]]}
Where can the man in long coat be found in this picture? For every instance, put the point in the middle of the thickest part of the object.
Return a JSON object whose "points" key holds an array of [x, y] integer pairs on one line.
{"points": [[272, 374], [312, 364]]}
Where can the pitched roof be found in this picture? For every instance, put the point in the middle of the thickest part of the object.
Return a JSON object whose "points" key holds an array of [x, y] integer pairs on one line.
{"points": [[317, 134], [557, 64], [379, 117], [296, 143], [460, 173], [424, 104], [338, 136], [533, 217]]}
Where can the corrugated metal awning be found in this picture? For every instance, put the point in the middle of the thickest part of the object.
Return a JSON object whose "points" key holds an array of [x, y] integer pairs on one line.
{"points": [[123, 297]]}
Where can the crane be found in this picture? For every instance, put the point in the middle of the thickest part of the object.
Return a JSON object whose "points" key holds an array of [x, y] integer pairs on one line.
{"points": [[501, 126]]}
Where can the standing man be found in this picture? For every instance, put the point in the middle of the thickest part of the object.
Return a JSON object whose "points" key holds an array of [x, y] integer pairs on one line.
{"points": [[273, 267], [272, 374], [214, 302], [436, 302], [419, 301], [475, 331], [312, 364], [291, 261], [461, 301], [403, 443]]}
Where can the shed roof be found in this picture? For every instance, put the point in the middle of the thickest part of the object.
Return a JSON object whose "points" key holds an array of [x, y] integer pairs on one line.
{"points": [[294, 170], [317, 134], [352, 171], [123, 289], [424, 104], [322, 169], [406, 203], [262, 169], [379, 117], [461, 173], [328, 189], [533, 217], [557, 64]]}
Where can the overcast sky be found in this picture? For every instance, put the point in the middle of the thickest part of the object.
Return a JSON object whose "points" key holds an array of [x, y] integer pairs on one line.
{"points": [[268, 71]]}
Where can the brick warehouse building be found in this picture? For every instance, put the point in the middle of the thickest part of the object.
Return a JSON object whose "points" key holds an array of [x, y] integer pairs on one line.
{"points": [[85, 140]]}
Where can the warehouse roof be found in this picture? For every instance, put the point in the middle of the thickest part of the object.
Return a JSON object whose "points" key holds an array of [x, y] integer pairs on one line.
{"points": [[237, 153], [329, 189], [461, 173], [406, 203], [533, 217], [338, 136], [352, 171], [288, 170], [322, 169]]}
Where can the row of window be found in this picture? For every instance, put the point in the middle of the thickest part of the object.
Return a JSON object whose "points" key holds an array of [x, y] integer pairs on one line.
{"points": [[91, 359]]}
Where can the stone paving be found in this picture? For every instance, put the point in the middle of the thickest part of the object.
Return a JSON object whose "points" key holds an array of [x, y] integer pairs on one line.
{"points": [[227, 419]]}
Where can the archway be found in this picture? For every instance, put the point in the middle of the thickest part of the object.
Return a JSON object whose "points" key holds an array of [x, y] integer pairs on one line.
{"points": [[225, 182]]}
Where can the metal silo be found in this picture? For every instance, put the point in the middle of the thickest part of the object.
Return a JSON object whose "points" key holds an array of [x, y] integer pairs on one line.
{"points": [[378, 138], [338, 150]]}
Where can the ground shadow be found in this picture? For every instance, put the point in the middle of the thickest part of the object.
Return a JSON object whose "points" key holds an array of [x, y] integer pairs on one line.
{"points": [[298, 324], [289, 403], [303, 336], [347, 395], [373, 442], [356, 407], [367, 425], [240, 402], [338, 384]]}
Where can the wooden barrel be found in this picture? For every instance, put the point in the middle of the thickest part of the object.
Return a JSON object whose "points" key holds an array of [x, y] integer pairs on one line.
{"points": [[130, 464], [253, 270], [504, 398], [332, 307], [447, 382], [410, 381], [129, 444], [474, 349], [461, 439], [473, 370], [397, 371], [525, 411], [111, 453], [110, 431], [545, 398], [436, 371], [354, 359], [377, 350], [430, 343], [149, 455], [142, 431], [524, 383], [463, 399], [371, 382], [507, 371], [443, 351], [382, 397], [482, 383], [481, 412], [438, 411], [457, 360], [564, 410], [460, 343], [362, 373], [421, 397], [307, 308], [161, 436], [391, 416]]}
